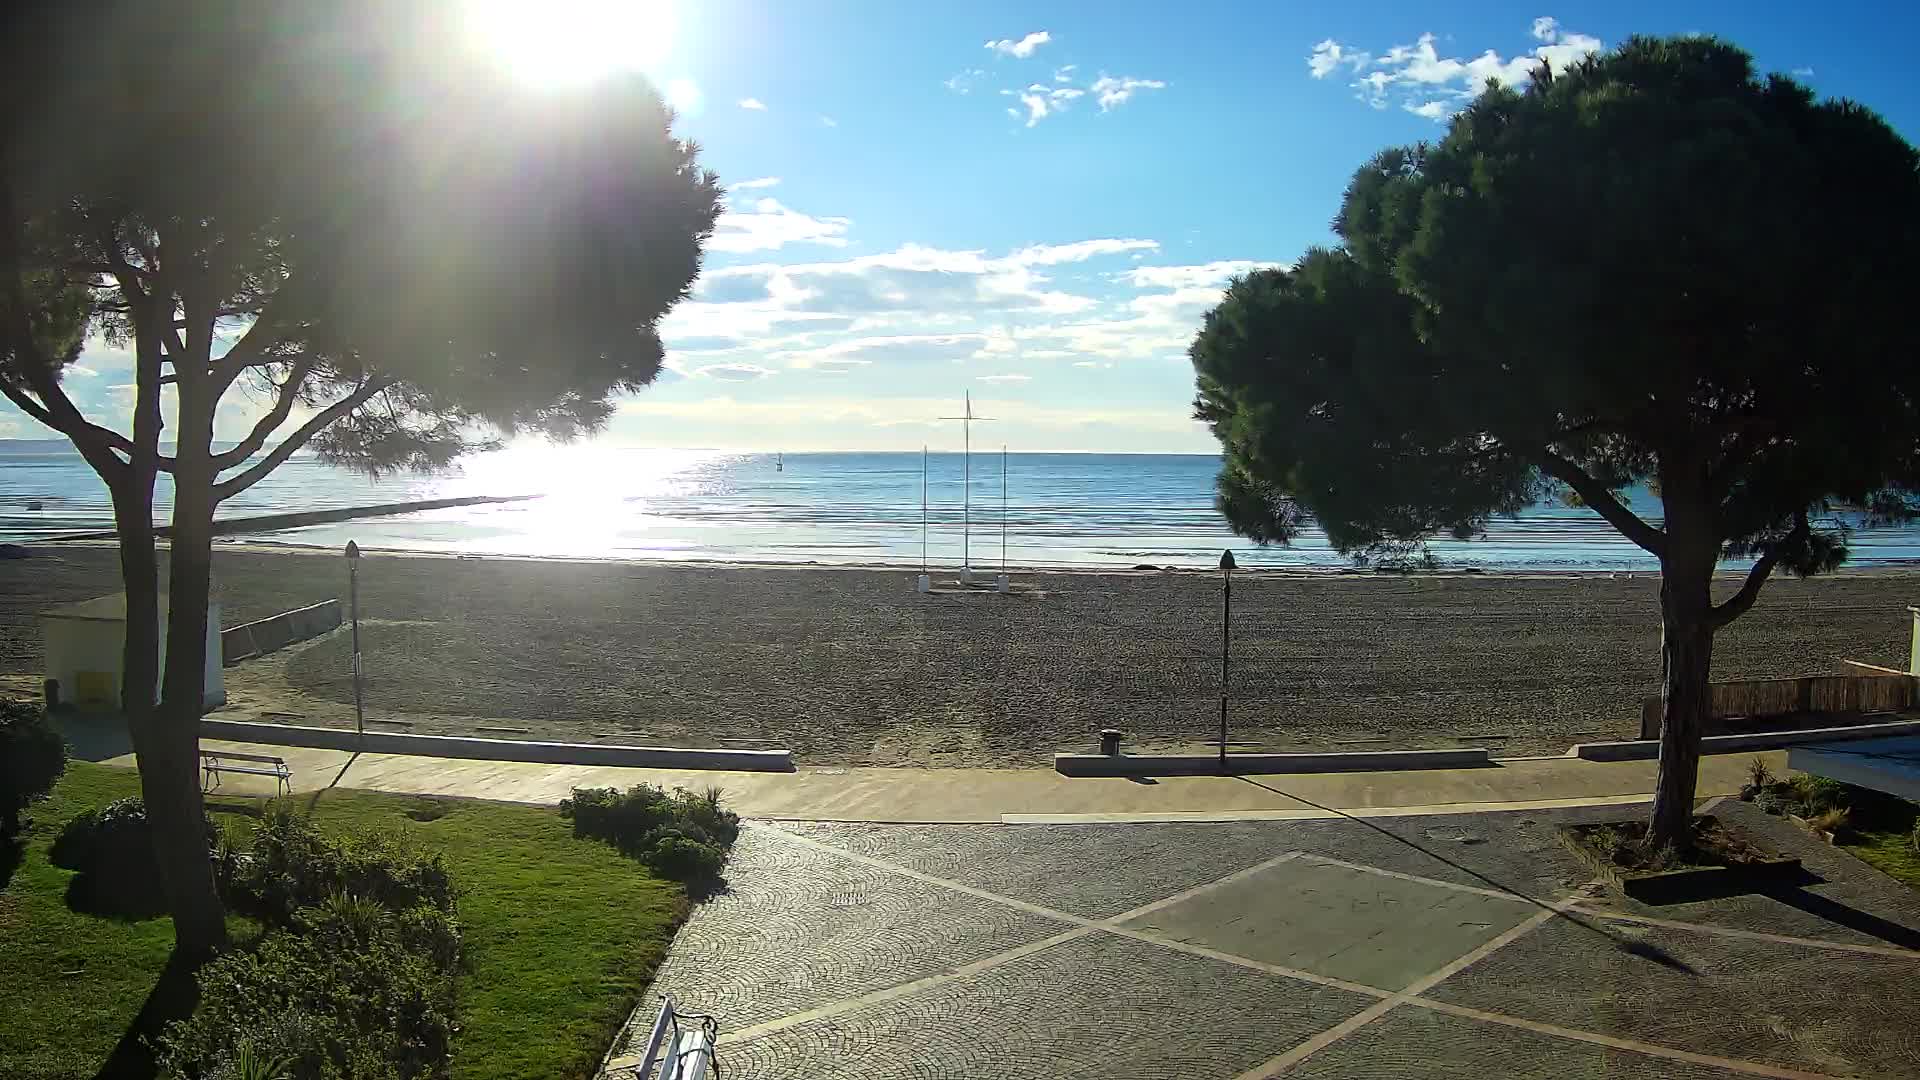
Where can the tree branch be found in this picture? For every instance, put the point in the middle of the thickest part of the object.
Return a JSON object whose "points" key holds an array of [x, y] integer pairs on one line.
{"points": [[227, 489], [1596, 496], [287, 394], [1737, 604]]}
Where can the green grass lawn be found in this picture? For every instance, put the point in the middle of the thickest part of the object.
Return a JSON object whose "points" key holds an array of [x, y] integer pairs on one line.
{"points": [[1882, 834], [563, 935]]}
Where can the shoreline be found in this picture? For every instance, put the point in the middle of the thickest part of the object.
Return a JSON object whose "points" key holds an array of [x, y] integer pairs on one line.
{"points": [[286, 547], [854, 667]]}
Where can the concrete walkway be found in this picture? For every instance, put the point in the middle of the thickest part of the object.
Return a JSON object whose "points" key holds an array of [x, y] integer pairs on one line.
{"points": [[1035, 796]]}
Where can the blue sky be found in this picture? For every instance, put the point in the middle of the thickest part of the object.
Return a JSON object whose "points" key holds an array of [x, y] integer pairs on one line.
{"points": [[1035, 203]]}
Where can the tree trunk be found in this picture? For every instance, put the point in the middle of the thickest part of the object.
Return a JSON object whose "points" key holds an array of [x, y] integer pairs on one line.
{"points": [[171, 778], [1686, 662]]}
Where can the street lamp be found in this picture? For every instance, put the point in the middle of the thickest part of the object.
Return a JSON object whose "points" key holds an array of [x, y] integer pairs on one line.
{"points": [[1226, 644], [353, 607]]}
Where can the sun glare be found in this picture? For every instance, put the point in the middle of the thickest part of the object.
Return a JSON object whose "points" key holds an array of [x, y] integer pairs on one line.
{"points": [[556, 42]]}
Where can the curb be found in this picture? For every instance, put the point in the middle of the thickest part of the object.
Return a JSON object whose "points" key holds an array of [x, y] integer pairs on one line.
{"points": [[1648, 749], [1252, 764], [453, 746]]}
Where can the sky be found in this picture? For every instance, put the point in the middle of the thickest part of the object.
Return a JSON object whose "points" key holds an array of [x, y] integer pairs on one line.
{"points": [[1035, 204]]}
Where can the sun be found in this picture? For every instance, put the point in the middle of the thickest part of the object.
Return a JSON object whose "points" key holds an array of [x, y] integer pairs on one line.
{"points": [[561, 42]]}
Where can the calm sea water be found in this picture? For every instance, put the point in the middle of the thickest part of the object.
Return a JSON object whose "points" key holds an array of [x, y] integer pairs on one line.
{"points": [[1058, 510]]}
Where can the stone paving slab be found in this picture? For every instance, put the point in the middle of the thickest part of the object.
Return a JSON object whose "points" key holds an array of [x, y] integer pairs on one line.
{"points": [[1094, 871], [1410, 1043], [801, 927], [1101, 870], [1792, 1006], [1097, 1006], [1337, 921]]}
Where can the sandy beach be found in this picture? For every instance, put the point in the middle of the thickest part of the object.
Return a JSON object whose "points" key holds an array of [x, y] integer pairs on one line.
{"points": [[853, 667]]}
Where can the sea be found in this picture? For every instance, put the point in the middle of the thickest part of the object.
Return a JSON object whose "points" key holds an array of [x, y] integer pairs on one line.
{"points": [[945, 510]]}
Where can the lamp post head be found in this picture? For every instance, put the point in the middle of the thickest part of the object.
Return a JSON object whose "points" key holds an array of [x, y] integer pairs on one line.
{"points": [[1226, 562], [353, 550]]}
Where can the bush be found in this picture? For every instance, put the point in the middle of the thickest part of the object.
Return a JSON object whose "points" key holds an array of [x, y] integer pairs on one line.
{"points": [[1818, 794], [293, 866], [327, 1004], [112, 849], [354, 980], [679, 835], [32, 757]]}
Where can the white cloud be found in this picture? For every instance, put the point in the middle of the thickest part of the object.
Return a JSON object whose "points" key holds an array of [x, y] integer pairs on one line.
{"points": [[1043, 101], [759, 182], [828, 121], [1423, 82], [1005, 378], [1802, 73], [1330, 55], [734, 372], [753, 103], [1213, 274], [889, 349], [1078, 251], [1022, 48], [1064, 74], [963, 82], [769, 226], [1112, 92]]}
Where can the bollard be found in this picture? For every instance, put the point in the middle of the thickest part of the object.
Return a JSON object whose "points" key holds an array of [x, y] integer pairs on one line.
{"points": [[1110, 742]]}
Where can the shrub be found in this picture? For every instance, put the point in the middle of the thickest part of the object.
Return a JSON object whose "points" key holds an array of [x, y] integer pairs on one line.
{"points": [[112, 849], [325, 1004], [354, 980], [32, 757], [1817, 794], [1770, 801], [1835, 821], [1758, 775], [293, 866], [679, 835], [682, 858]]}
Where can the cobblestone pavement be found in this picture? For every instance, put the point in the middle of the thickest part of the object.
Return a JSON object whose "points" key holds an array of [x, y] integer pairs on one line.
{"points": [[1461, 946]]}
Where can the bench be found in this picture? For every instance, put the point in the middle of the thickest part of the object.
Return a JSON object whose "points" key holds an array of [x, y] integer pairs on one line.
{"points": [[215, 762]]}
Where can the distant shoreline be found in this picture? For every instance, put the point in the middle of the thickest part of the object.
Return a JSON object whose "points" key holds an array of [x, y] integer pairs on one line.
{"points": [[943, 572]]}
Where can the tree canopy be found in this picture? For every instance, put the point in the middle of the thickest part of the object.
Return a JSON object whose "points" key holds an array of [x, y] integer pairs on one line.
{"points": [[341, 218], [369, 212], [1655, 266]]}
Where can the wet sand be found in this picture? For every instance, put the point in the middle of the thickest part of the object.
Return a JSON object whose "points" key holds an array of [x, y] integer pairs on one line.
{"points": [[853, 667]]}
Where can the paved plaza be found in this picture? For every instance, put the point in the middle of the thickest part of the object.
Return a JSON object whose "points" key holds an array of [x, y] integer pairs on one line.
{"points": [[1449, 946]]}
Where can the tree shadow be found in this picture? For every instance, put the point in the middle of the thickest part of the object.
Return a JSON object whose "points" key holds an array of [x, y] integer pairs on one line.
{"points": [[13, 852], [172, 998], [111, 896], [1852, 918], [333, 783], [1642, 949]]}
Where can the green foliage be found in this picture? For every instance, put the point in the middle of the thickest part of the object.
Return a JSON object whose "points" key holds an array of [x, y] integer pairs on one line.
{"points": [[1456, 350], [679, 834], [292, 864], [1758, 774], [558, 937], [371, 205], [112, 850], [32, 757], [332, 1001], [1817, 794], [355, 978]]}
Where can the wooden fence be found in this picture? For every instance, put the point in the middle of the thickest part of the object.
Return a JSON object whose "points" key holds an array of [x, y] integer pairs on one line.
{"points": [[1762, 698]]}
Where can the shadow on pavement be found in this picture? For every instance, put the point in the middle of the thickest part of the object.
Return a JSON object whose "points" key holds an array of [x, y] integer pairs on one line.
{"points": [[1852, 918], [172, 998], [13, 851], [1644, 950]]}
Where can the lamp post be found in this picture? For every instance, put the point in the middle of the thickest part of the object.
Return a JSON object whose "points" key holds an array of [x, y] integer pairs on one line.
{"points": [[353, 608], [1226, 644]]}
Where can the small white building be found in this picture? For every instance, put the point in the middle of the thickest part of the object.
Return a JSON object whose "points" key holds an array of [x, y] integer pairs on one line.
{"points": [[84, 644]]}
